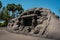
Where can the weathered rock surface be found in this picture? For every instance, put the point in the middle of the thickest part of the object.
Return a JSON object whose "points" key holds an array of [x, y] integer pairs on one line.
{"points": [[37, 22]]}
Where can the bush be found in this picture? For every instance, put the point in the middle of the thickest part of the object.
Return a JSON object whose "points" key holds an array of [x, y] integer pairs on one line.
{"points": [[3, 24]]}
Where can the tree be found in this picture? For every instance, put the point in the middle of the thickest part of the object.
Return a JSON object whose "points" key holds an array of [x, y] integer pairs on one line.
{"points": [[0, 8], [5, 15], [5, 12], [19, 8], [11, 7], [0, 4], [14, 8]]}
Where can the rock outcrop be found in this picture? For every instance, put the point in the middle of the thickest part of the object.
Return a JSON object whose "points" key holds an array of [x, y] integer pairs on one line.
{"points": [[37, 22]]}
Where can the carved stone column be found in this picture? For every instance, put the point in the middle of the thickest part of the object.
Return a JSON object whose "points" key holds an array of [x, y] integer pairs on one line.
{"points": [[21, 25], [33, 22]]}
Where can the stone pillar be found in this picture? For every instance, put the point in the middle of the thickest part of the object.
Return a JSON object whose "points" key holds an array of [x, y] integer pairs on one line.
{"points": [[21, 25], [33, 22], [21, 22]]}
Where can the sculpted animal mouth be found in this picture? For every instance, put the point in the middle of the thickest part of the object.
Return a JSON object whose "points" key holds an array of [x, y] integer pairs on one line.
{"points": [[33, 22]]}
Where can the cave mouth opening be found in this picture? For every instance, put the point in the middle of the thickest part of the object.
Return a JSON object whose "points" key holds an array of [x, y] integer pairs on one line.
{"points": [[27, 21]]}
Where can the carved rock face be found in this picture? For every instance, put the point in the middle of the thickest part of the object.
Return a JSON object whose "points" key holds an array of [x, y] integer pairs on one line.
{"points": [[36, 22]]}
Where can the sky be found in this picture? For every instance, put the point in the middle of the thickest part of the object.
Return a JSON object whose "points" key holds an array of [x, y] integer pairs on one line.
{"points": [[53, 5]]}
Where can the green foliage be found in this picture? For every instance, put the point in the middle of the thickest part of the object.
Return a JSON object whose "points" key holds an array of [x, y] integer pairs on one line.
{"points": [[5, 13], [0, 4], [3, 24], [14, 8], [11, 7], [19, 7]]}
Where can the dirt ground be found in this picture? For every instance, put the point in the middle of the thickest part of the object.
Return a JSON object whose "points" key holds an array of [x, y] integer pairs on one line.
{"points": [[5, 35]]}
